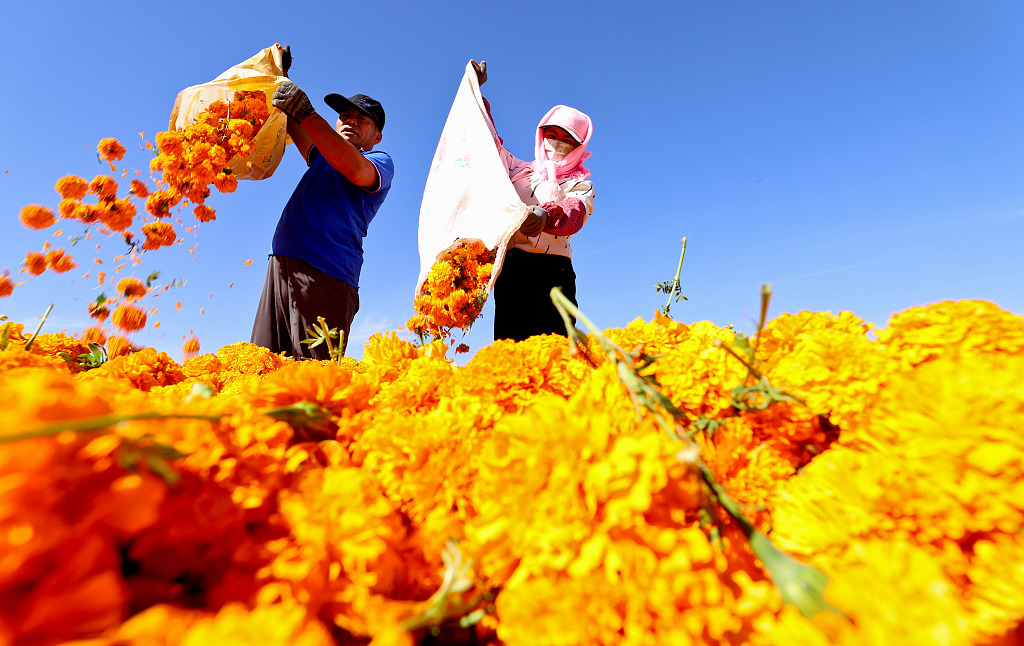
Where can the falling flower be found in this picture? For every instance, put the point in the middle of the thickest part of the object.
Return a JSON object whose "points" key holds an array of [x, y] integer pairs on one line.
{"points": [[35, 216], [111, 149], [129, 318]]}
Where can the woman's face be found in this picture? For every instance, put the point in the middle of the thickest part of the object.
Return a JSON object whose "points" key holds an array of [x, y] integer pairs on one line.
{"points": [[556, 132]]}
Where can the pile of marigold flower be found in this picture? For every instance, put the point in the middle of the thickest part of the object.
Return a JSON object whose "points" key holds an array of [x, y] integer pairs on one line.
{"points": [[529, 497], [454, 291], [187, 163]]}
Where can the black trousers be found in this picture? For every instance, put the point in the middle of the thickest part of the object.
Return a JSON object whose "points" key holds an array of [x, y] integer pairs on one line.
{"points": [[522, 298], [294, 295]]}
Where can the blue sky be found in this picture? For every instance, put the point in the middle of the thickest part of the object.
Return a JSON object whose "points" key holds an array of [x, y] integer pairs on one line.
{"points": [[865, 156]]}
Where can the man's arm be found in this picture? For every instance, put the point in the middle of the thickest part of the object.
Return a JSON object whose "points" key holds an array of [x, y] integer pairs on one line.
{"points": [[307, 128], [339, 153]]}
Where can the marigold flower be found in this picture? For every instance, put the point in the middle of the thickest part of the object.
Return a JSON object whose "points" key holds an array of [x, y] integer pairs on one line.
{"points": [[60, 261], [72, 187], [204, 213], [104, 187], [131, 288], [158, 234], [6, 284], [111, 149], [117, 215], [160, 203], [35, 216], [190, 347], [35, 262], [94, 334], [138, 189], [129, 318]]}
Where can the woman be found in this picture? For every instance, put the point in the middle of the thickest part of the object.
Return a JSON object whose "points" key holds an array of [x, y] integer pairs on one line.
{"points": [[557, 188]]}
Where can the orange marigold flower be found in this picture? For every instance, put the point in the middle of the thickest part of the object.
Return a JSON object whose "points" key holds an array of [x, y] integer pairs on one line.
{"points": [[72, 186], [35, 262], [129, 318], [68, 208], [225, 183], [158, 234], [138, 189], [160, 203], [204, 213], [131, 288], [6, 285], [119, 346], [60, 261], [104, 187], [111, 149], [94, 334], [190, 348], [98, 311], [35, 216], [117, 215]]}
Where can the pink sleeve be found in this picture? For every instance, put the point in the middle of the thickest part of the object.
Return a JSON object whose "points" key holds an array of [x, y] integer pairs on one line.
{"points": [[565, 217]]}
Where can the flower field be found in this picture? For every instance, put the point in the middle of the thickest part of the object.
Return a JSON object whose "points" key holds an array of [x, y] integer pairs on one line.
{"points": [[622, 490]]}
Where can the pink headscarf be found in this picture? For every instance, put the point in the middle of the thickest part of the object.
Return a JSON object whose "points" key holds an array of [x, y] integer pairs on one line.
{"points": [[580, 127]]}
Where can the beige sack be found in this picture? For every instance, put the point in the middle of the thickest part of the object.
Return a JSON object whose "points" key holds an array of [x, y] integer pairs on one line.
{"points": [[468, 195], [264, 71]]}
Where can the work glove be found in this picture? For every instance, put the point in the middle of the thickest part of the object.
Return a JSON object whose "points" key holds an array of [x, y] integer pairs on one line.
{"points": [[292, 101], [481, 71], [535, 222]]}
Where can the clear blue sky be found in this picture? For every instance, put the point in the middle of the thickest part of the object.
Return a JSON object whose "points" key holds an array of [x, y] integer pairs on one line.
{"points": [[862, 156]]}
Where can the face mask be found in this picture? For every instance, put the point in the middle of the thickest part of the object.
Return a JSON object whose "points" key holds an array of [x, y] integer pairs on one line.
{"points": [[557, 150]]}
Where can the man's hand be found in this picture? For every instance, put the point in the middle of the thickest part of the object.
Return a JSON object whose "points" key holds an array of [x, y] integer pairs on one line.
{"points": [[286, 58], [292, 101], [481, 71], [535, 222]]}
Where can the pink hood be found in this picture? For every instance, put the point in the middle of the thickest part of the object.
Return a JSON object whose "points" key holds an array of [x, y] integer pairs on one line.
{"points": [[581, 128]]}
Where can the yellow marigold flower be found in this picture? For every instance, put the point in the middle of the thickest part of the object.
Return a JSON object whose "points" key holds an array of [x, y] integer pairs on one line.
{"points": [[131, 288], [35, 216], [111, 149], [104, 187], [158, 234], [129, 318], [249, 359], [72, 187], [170, 143]]}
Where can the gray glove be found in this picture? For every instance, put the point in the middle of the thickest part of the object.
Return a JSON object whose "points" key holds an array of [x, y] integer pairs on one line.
{"points": [[535, 222], [292, 101]]}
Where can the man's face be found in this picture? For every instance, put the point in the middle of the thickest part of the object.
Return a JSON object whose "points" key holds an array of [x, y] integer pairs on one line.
{"points": [[559, 133], [358, 129]]}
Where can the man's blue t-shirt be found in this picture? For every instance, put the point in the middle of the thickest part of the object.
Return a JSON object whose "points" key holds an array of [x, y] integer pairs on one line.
{"points": [[327, 217]]}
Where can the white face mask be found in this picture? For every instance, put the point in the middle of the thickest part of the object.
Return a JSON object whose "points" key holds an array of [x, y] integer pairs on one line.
{"points": [[557, 150]]}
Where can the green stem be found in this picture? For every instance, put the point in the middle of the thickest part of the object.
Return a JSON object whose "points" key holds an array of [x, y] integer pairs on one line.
{"points": [[766, 297], [96, 424], [675, 281], [28, 346]]}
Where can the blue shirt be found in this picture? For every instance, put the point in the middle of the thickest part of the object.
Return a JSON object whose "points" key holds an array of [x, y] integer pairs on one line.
{"points": [[327, 216]]}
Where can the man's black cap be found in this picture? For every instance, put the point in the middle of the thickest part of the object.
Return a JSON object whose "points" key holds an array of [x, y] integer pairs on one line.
{"points": [[367, 105]]}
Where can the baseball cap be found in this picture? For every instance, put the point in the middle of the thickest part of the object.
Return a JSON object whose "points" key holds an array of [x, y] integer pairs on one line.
{"points": [[367, 105]]}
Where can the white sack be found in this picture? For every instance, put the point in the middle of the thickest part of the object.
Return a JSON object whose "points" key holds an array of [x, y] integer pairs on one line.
{"points": [[468, 195]]}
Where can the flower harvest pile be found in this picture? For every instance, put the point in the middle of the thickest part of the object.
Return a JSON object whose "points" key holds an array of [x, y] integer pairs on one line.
{"points": [[534, 493], [187, 163], [454, 292]]}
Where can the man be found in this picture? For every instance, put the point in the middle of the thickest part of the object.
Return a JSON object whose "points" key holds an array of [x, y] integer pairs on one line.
{"points": [[318, 245]]}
